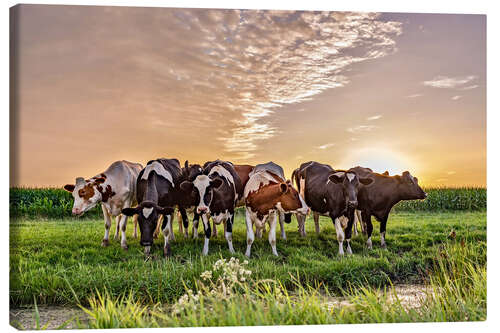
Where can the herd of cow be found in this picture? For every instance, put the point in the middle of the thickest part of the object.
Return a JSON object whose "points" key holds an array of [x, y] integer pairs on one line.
{"points": [[215, 189]]}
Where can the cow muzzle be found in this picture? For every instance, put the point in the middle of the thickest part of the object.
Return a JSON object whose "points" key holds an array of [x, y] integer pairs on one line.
{"points": [[202, 210], [77, 211], [352, 204]]}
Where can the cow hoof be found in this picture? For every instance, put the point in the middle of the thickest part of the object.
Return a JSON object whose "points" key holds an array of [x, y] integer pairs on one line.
{"points": [[247, 254], [166, 251], [125, 247], [384, 246], [105, 243]]}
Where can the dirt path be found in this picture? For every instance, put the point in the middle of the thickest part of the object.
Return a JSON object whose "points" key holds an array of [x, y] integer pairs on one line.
{"points": [[52, 316]]}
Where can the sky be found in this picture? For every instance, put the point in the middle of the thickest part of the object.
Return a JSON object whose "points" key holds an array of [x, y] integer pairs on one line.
{"points": [[389, 91]]}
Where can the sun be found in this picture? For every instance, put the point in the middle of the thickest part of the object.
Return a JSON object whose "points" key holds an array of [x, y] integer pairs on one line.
{"points": [[379, 160]]}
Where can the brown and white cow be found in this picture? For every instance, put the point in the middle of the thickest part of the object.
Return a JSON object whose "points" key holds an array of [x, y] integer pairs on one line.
{"points": [[115, 189], [266, 196]]}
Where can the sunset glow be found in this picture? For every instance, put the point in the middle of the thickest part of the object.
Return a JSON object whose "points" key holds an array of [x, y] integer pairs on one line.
{"points": [[389, 91]]}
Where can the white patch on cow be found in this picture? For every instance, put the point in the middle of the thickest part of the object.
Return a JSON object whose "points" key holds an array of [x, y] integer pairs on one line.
{"points": [[201, 183], [256, 181], [350, 176], [159, 169], [223, 173], [147, 211], [324, 200], [218, 218]]}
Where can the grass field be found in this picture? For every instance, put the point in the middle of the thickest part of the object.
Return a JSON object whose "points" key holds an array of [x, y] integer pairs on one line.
{"points": [[59, 261]]}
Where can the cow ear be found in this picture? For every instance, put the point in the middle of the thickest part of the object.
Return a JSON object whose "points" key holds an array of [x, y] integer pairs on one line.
{"points": [[365, 181], [99, 180], [283, 188], [129, 211], [187, 186], [337, 177], [386, 173], [216, 182], [69, 188]]}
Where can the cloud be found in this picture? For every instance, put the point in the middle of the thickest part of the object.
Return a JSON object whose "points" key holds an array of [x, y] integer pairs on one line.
{"points": [[449, 82], [378, 116], [474, 86], [326, 146], [441, 180], [451, 172], [220, 73], [414, 96], [361, 128], [457, 97]]}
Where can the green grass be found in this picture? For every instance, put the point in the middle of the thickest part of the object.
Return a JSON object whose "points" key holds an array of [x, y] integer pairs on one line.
{"points": [[456, 292], [36, 203], [62, 262]]}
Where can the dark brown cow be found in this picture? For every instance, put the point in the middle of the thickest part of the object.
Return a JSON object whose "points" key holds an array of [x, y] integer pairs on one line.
{"points": [[379, 198]]}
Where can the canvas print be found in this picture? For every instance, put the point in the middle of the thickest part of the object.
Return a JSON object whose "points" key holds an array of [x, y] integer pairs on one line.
{"points": [[225, 167]]}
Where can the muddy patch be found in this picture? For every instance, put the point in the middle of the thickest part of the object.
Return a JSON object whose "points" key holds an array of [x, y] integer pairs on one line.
{"points": [[410, 296], [49, 317]]}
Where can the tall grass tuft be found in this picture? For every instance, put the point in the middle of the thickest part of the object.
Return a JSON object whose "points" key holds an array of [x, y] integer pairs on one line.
{"points": [[456, 292]]}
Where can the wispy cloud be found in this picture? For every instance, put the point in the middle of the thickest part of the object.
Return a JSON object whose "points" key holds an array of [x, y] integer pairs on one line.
{"points": [[414, 96], [474, 86], [378, 116], [326, 145], [457, 97], [451, 172], [449, 82], [361, 128]]}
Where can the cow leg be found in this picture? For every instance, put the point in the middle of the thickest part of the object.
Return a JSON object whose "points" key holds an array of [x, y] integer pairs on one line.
{"points": [[135, 225], [348, 230], [214, 234], [117, 231], [123, 228], [383, 225], [301, 220], [340, 234], [272, 232], [159, 224], [258, 231], [250, 234], [107, 226], [282, 225], [208, 232], [362, 223], [171, 229], [367, 218], [228, 226], [196, 221], [179, 222], [355, 224], [167, 230], [316, 222], [185, 222]]}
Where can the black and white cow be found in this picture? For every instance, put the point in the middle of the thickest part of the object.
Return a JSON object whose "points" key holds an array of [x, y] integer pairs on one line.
{"points": [[158, 187], [217, 191], [188, 200], [379, 198], [329, 193]]}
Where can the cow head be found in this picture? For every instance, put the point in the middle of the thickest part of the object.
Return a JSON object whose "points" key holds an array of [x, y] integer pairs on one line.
{"points": [[289, 200], [148, 213], [203, 187], [409, 188], [87, 193], [350, 185], [191, 171]]}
